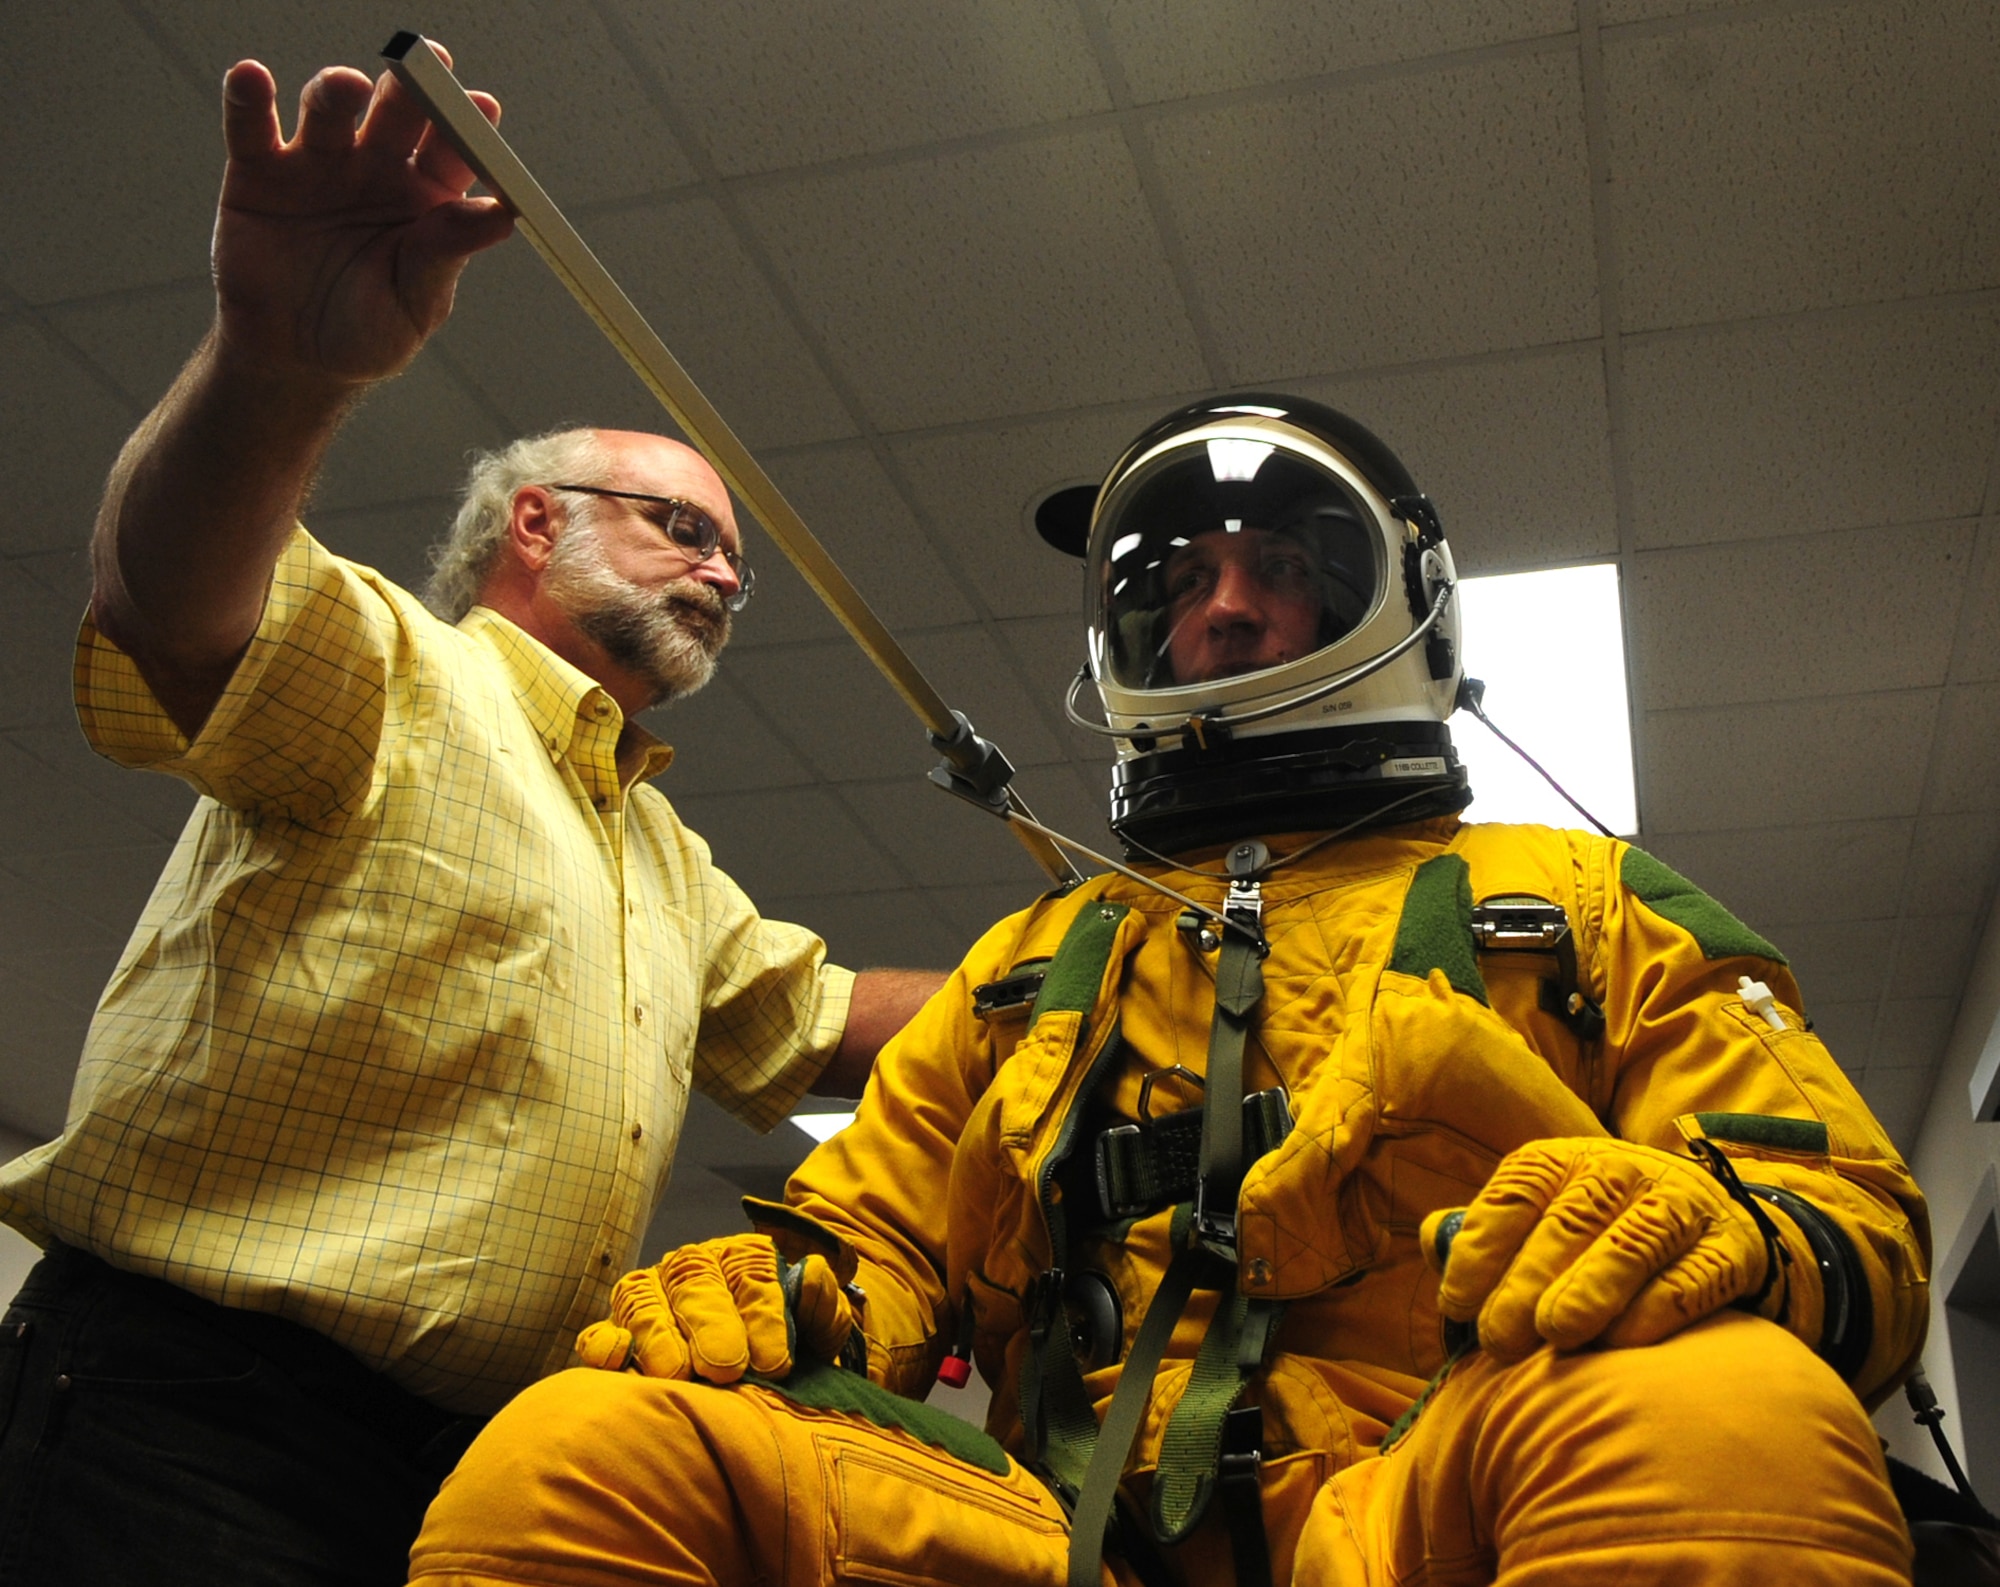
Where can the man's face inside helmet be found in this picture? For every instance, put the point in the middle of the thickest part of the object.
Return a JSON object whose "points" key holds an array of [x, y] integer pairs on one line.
{"points": [[1227, 557], [1239, 602]]}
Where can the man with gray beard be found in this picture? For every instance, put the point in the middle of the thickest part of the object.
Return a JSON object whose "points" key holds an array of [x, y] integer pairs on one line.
{"points": [[382, 1094]]}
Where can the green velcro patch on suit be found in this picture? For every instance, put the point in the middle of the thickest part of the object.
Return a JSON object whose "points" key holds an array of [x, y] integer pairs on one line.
{"points": [[1765, 1129], [1435, 932], [1673, 897], [826, 1387], [1077, 970]]}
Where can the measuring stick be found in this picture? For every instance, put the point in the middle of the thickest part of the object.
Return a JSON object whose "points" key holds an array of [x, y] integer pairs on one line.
{"points": [[420, 70]]}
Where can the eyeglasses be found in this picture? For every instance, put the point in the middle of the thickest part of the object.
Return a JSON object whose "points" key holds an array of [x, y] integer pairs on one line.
{"points": [[691, 528]]}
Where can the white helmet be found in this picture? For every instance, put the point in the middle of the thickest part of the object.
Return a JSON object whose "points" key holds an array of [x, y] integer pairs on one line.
{"points": [[1272, 627]]}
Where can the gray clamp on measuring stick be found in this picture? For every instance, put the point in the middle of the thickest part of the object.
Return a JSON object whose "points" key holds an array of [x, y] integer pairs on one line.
{"points": [[973, 767]]}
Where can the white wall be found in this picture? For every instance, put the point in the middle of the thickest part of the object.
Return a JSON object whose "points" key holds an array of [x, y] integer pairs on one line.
{"points": [[17, 1254], [1952, 1153]]}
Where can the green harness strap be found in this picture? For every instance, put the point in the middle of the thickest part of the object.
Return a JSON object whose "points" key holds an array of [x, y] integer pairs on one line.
{"points": [[1205, 1258]]}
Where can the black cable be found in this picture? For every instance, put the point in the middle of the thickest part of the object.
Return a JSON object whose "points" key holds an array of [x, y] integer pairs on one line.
{"points": [[1470, 694], [1923, 1400]]}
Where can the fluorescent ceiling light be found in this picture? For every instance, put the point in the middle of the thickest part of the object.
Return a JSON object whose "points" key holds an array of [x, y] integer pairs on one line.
{"points": [[1551, 649], [822, 1126], [1230, 457]]}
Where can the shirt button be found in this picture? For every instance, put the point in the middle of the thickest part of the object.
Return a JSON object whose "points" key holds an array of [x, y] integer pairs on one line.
{"points": [[639, 1014], [603, 1258], [601, 800], [638, 1131]]}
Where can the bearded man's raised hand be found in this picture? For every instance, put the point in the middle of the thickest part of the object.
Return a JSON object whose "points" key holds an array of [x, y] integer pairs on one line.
{"points": [[337, 251]]}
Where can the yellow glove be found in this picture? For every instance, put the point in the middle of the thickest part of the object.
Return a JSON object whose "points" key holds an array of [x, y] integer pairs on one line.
{"points": [[720, 1309], [1592, 1240]]}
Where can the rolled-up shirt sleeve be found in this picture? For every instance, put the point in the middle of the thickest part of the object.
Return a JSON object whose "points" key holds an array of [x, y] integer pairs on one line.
{"points": [[299, 725]]}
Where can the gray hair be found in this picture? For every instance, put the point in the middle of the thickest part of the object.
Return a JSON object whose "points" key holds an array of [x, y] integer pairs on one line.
{"points": [[461, 565]]}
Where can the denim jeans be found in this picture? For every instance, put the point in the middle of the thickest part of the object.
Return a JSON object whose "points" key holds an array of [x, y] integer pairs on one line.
{"points": [[148, 1436]]}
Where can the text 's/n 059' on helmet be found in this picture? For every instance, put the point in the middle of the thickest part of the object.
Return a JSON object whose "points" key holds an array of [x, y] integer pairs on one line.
{"points": [[1272, 626]]}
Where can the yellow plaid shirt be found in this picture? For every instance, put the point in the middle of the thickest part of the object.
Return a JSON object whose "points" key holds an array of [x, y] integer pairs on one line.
{"points": [[402, 1043]]}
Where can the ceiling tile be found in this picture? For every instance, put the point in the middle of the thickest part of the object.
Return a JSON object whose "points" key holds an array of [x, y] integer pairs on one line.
{"points": [[1173, 49], [1849, 870], [106, 884], [1847, 959], [1912, 1033], [100, 124], [574, 109], [72, 978], [1075, 800], [977, 908], [974, 674], [63, 572], [155, 804], [75, 950], [1843, 759], [683, 266], [784, 611], [1954, 862], [1847, 1029], [40, 1043], [1898, 1098], [793, 842], [408, 440], [1933, 956], [767, 84], [1515, 451], [1050, 650], [1967, 773], [1750, 621], [1024, 277], [1805, 159], [941, 840], [721, 745], [835, 709], [60, 432], [867, 930], [1976, 658], [395, 539], [1613, 12], [140, 340], [523, 342], [978, 490], [55, 795], [852, 505], [1830, 422], [35, 661], [1442, 215]]}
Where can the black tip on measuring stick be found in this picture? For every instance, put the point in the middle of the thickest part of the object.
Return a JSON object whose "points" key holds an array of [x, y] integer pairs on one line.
{"points": [[401, 45]]}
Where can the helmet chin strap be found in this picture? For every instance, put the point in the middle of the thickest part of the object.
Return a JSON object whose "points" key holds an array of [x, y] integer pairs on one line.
{"points": [[1201, 723], [1216, 917]]}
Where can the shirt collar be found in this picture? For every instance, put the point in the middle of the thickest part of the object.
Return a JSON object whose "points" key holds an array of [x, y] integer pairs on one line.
{"points": [[554, 694]]}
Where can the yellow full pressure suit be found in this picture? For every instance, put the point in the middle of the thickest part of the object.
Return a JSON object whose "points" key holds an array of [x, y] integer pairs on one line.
{"points": [[1414, 1063]]}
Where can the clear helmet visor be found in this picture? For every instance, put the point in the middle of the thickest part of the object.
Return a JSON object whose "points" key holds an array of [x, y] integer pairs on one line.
{"points": [[1223, 558]]}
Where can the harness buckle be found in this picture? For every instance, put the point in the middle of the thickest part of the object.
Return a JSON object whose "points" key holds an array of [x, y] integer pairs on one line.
{"points": [[1214, 1232], [1242, 1442], [1043, 1302]]}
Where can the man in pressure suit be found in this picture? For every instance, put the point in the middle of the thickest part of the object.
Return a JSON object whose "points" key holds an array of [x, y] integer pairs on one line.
{"points": [[1358, 1196]]}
